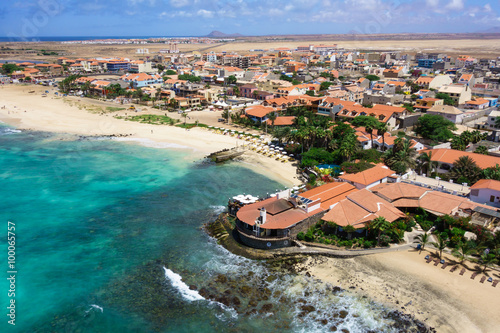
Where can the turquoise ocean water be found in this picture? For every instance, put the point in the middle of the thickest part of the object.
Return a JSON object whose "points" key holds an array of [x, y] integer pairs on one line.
{"points": [[108, 239]]}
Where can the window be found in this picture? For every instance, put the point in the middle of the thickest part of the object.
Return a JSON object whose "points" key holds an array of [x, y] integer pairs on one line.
{"points": [[492, 198], [474, 193]]}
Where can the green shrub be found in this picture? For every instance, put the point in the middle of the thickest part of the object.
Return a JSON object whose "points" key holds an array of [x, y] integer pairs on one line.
{"points": [[309, 237], [301, 236]]}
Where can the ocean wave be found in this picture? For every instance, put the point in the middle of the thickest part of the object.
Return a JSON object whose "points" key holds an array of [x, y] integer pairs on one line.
{"points": [[218, 209], [7, 131], [152, 144], [176, 281], [95, 307]]}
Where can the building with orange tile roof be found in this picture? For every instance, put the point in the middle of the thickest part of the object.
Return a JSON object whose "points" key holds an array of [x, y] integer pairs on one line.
{"points": [[369, 178], [273, 222], [408, 196], [425, 104], [477, 104], [361, 207], [486, 191], [258, 113], [447, 157], [142, 79], [282, 121]]}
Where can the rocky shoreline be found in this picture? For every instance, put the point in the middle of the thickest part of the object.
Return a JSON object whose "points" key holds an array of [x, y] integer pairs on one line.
{"points": [[293, 263]]}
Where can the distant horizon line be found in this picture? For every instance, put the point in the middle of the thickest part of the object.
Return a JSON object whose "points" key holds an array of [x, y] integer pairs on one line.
{"points": [[61, 38]]}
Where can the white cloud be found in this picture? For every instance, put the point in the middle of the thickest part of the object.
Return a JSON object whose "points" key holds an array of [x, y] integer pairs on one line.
{"points": [[205, 13], [179, 3], [455, 5], [432, 3], [289, 7], [487, 7]]}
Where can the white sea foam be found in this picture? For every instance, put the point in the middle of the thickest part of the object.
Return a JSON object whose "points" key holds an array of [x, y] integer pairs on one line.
{"points": [[7, 131], [176, 281], [152, 144], [218, 209], [95, 307]]}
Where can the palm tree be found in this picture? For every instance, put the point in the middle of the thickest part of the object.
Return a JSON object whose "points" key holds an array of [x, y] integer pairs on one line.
{"points": [[272, 117], [440, 244], [426, 163], [481, 150], [458, 143], [348, 147], [236, 91], [381, 130], [477, 136], [381, 225], [422, 239], [402, 156], [486, 260], [369, 129], [349, 229], [462, 251], [184, 115], [465, 169], [497, 122]]}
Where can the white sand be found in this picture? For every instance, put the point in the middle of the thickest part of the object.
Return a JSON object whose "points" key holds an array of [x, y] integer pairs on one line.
{"points": [[404, 281], [71, 115]]}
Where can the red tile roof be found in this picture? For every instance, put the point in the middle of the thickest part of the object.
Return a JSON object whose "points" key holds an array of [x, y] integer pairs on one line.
{"points": [[487, 184], [259, 111], [361, 207], [450, 156], [369, 176]]}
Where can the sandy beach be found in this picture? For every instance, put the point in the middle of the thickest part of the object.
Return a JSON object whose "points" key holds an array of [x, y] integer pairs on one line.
{"points": [[78, 116], [405, 282]]}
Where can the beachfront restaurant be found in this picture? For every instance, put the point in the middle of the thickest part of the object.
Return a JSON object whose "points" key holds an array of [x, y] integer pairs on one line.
{"points": [[274, 222]]}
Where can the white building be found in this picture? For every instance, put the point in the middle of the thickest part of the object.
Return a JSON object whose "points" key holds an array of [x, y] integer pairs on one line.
{"points": [[448, 112], [486, 191], [459, 93]]}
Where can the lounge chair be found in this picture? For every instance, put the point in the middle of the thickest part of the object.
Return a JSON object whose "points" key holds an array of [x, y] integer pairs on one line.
{"points": [[482, 279], [454, 268], [429, 260], [436, 262], [462, 271], [444, 265], [495, 283], [473, 276]]}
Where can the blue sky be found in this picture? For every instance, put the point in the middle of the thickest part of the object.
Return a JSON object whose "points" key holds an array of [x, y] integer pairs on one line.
{"points": [[36, 18]]}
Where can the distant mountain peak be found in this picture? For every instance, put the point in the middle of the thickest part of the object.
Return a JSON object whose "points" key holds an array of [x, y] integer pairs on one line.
{"points": [[492, 30], [218, 34]]}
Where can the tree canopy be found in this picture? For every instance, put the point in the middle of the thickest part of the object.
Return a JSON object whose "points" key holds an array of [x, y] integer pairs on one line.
{"points": [[447, 99], [231, 79], [189, 77], [372, 77], [9, 68], [325, 85], [434, 127]]}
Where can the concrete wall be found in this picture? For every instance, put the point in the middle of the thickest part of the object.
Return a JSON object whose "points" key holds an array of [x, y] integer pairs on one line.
{"points": [[484, 196]]}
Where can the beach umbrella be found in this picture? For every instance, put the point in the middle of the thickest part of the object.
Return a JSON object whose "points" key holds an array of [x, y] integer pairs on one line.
{"points": [[283, 152], [281, 148]]}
